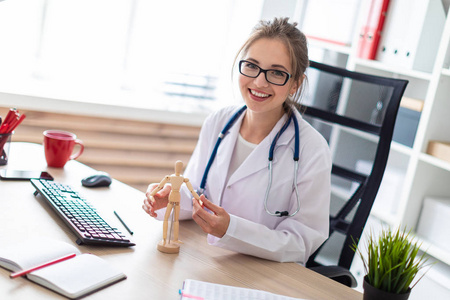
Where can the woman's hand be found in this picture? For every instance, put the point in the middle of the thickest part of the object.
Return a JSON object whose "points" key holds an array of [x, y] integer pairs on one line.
{"points": [[158, 201], [215, 223]]}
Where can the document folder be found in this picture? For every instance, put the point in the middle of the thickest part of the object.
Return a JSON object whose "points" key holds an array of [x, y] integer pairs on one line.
{"points": [[371, 31]]}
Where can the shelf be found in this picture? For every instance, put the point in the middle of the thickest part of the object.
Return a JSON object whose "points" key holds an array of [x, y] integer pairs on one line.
{"points": [[432, 250], [385, 217], [378, 212], [341, 192], [363, 135], [435, 161], [376, 65], [445, 72], [400, 148]]}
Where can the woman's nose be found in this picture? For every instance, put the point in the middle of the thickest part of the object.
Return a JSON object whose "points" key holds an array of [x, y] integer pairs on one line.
{"points": [[261, 80]]}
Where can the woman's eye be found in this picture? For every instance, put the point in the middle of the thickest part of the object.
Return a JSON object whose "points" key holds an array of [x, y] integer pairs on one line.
{"points": [[251, 66], [277, 73]]}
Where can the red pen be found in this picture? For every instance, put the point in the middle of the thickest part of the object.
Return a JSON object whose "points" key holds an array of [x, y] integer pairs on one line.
{"points": [[17, 122], [4, 128], [10, 115], [52, 262], [185, 295], [8, 119]]}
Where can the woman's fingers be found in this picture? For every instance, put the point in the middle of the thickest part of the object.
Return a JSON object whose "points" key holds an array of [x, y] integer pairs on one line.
{"points": [[209, 205], [150, 188], [215, 222], [156, 201], [148, 206], [164, 192]]}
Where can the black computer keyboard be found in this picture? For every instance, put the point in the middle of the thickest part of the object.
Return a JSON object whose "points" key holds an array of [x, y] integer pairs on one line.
{"points": [[79, 215]]}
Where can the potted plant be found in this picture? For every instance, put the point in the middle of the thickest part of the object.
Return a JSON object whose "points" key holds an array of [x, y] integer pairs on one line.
{"points": [[391, 265]]}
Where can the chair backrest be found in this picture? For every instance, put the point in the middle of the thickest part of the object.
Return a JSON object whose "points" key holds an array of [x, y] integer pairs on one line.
{"points": [[356, 113]]}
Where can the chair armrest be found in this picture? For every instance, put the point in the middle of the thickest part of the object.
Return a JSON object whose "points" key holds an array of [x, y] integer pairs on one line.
{"points": [[336, 273]]}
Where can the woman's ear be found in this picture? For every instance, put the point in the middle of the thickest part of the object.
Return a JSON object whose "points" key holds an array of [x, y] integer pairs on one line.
{"points": [[296, 85]]}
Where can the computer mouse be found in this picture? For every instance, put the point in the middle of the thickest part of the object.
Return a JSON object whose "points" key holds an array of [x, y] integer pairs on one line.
{"points": [[97, 180]]}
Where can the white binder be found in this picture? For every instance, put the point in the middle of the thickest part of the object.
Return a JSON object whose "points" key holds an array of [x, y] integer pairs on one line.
{"points": [[332, 21], [413, 30]]}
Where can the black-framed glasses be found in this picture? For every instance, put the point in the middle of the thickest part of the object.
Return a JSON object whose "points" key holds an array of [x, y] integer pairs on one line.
{"points": [[273, 76]]}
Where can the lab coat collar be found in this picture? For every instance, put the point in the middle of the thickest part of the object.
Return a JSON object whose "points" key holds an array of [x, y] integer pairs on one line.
{"points": [[258, 159]]}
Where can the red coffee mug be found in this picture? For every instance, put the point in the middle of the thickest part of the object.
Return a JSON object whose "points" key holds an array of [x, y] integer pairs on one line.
{"points": [[58, 147]]}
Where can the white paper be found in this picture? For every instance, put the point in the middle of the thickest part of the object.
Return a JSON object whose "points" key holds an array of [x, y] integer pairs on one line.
{"points": [[201, 290], [77, 276], [33, 252]]}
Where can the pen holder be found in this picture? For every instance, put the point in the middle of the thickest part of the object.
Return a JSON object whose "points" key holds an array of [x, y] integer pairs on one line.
{"points": [[5, 142]]}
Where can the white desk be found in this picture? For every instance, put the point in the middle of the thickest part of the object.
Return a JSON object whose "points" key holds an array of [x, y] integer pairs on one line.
{"points": [[151, 274]]}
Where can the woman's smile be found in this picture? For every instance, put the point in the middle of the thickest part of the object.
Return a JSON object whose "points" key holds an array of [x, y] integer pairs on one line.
{"points": [[258, 95]]}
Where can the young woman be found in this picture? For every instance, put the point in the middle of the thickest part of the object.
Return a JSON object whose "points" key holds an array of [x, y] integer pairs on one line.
{"points": [[278, 212]]}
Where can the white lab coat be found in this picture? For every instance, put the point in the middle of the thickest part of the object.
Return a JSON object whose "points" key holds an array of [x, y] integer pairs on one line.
{"points": [[251, 230]]}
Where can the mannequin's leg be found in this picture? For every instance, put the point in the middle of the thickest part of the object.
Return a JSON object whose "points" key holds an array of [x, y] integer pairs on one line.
{"points": [[166, 221], [176, 223]]}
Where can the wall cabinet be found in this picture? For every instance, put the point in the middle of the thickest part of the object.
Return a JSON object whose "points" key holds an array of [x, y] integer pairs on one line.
{"points": [[412, 175], [424, 175]]}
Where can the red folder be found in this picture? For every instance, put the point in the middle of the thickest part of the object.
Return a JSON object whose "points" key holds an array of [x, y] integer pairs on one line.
{"points": [[371, 32]]}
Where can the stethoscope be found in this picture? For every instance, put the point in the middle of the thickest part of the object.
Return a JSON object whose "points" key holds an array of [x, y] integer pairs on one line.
{"points": [[225, 130]]}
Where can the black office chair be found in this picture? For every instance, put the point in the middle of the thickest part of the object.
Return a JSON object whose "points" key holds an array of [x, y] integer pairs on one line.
{"points": [[356, 113]]}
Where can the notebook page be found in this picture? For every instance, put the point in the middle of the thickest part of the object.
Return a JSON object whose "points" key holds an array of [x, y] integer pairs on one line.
{"points": [[33, 252], [201, 290], [77, 276]]}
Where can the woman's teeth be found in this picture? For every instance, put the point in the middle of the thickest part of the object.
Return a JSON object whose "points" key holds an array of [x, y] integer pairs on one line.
{"points": [[257, 94]]}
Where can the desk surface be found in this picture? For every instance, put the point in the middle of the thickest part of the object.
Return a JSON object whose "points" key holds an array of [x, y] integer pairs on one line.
{"points": [[151, 274]]}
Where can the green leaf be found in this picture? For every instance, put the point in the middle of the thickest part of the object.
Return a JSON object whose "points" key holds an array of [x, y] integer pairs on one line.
{"points": [[392, 260]]}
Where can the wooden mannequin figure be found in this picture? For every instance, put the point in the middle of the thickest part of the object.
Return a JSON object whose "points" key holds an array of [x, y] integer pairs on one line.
{"points": [[176, 180]]}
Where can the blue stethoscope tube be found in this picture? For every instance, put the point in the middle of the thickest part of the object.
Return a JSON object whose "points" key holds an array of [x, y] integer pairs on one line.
{"points": [[225, 130]]}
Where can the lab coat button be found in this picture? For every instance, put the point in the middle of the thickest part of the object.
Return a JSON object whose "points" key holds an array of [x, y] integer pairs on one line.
{"points": [[229, 187]]}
